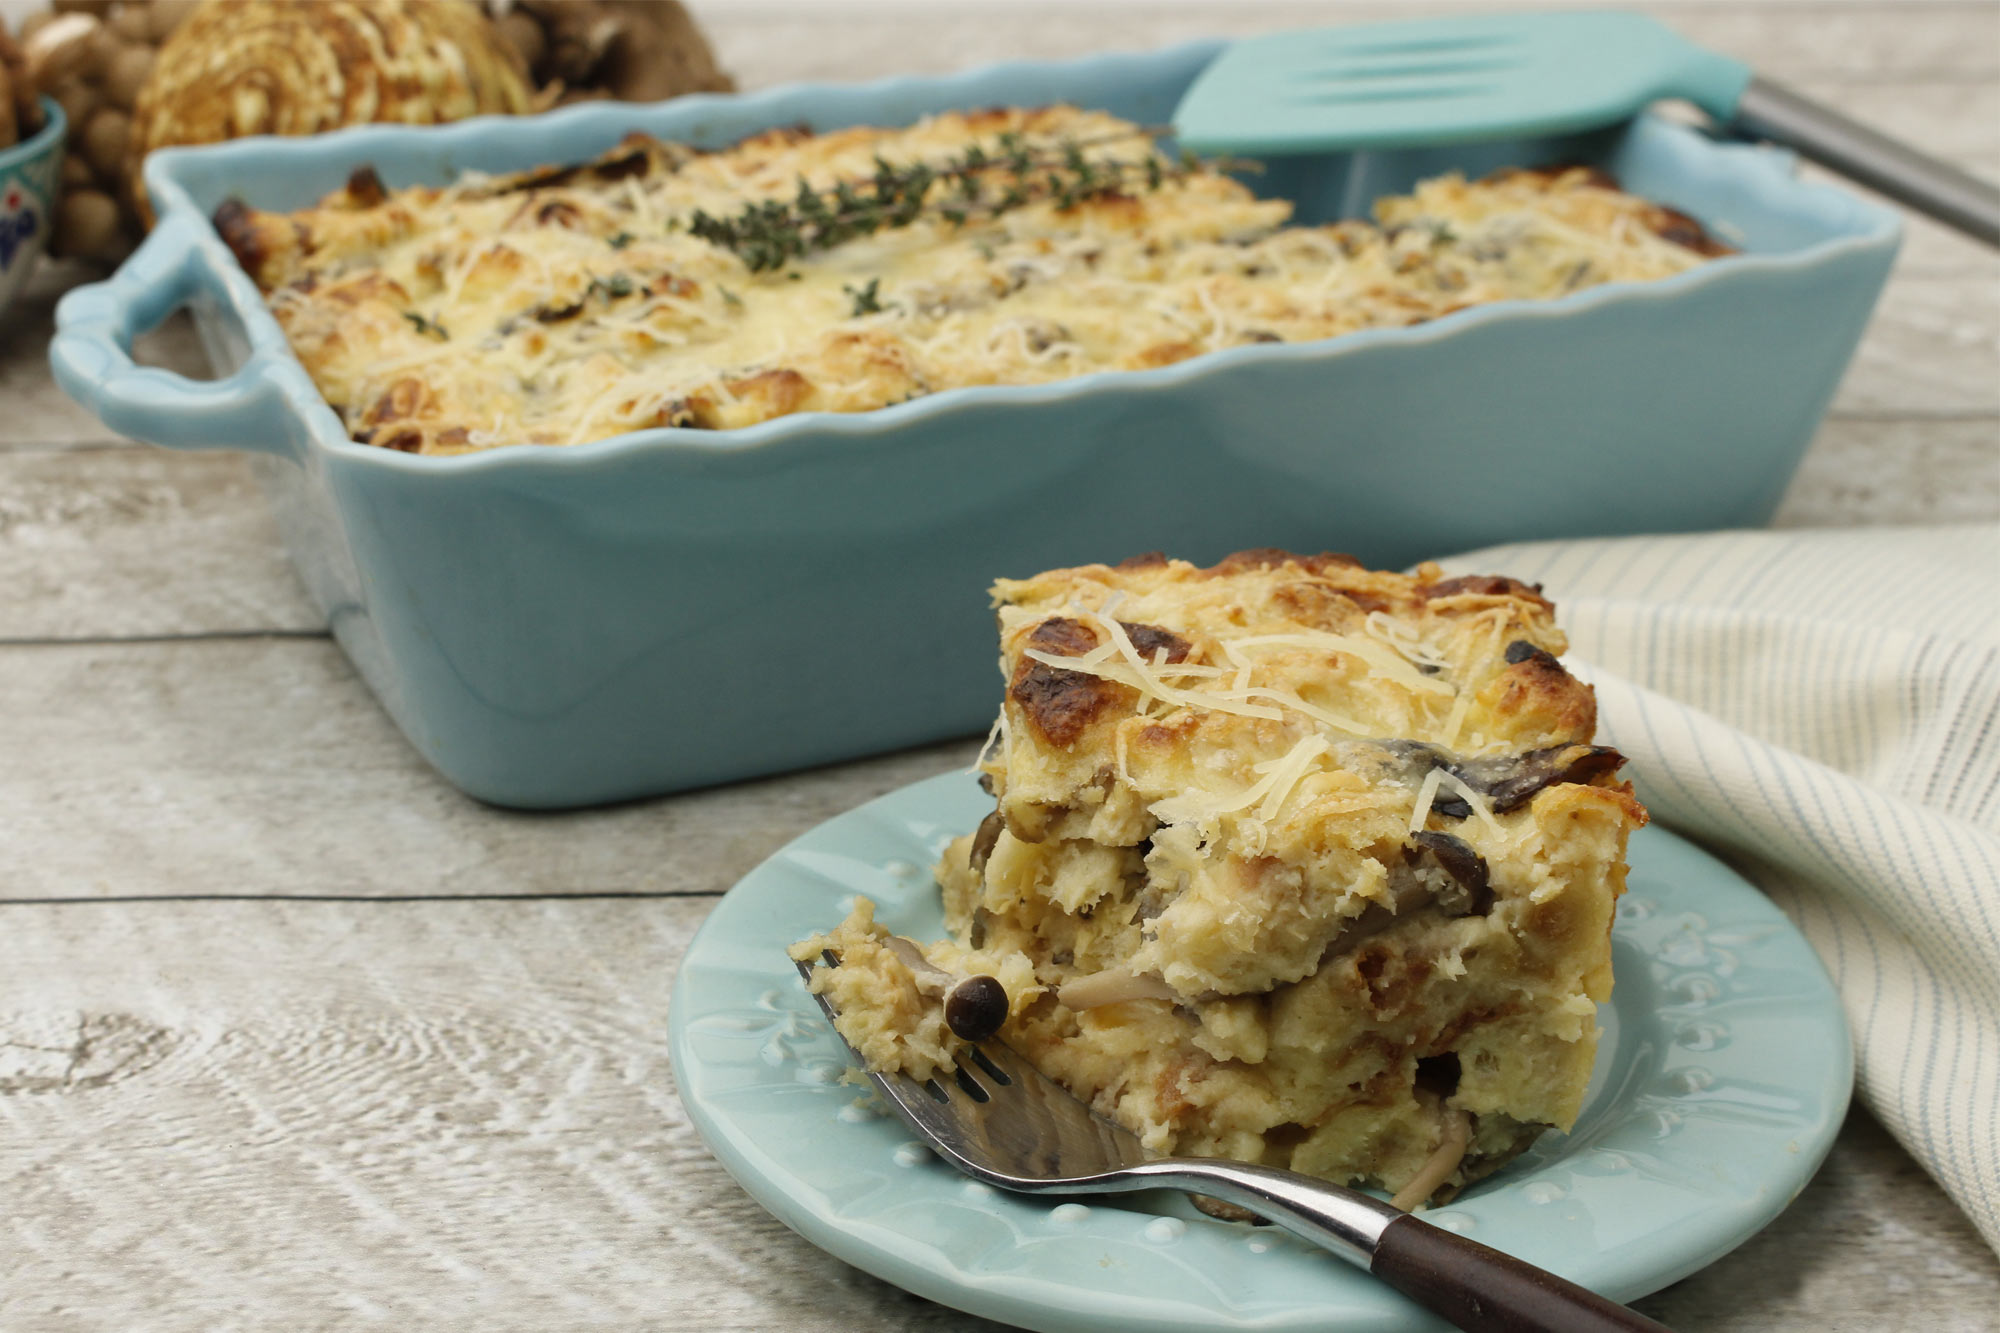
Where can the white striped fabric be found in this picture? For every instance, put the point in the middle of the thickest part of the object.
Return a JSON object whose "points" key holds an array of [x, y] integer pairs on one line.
{"points": [[1824, 709]]}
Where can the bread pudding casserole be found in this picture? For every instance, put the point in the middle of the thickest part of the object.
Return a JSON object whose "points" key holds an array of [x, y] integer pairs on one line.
{"points": [[1291, 861], [863, 267]]}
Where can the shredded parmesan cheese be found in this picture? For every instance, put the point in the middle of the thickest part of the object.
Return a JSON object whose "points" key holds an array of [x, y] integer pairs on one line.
{"points": [[1425, 795], [992, 739], [1273, 789], [1134, 674], [1455, 720], [1480, 805], [520, 269], [1379, 657]]}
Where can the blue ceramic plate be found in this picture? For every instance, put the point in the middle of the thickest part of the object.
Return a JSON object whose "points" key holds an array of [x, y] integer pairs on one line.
{"points": [[1721, 1080]]}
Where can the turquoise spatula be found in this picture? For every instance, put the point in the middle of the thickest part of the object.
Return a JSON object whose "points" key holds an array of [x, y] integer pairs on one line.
{"points": [[1432, 81]]}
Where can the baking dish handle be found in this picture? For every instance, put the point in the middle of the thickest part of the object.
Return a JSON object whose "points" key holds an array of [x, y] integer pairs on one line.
{"points": [[91, 355]]}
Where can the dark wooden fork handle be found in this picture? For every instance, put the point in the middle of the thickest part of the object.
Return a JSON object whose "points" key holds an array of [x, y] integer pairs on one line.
{"points": [[1482, 1290]]}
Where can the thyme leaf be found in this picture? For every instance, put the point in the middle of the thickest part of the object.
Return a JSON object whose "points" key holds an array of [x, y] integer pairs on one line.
{"points": [[979, 185], [867, 300], [428, 327]]}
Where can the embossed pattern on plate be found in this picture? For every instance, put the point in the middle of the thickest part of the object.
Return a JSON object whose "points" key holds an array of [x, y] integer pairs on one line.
{"points": [[1721, 1080]]}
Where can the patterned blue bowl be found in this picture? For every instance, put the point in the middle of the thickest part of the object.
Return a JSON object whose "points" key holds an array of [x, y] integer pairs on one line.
{"points": [[670, 608], [28, 174]]}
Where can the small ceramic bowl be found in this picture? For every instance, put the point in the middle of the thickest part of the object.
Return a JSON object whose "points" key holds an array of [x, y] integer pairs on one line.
{"points": [[28, 173]]}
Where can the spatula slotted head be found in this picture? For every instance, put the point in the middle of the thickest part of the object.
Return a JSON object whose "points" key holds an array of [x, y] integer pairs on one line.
{"points": [[1449, 80]]}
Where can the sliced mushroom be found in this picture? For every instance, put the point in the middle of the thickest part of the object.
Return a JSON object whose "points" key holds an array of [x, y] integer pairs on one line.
{"points": [[1438, 871], [1510, 780], [1451, 871], [984, 841], [1521, 650]]}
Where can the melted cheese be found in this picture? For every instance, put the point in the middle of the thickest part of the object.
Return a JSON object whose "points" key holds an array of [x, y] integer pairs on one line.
{"points": [[558, 309]]}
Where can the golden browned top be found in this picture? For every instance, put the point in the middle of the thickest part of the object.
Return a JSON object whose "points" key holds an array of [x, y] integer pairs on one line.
{"points": [[569, 304], [1267, 647], [1279, 721]]}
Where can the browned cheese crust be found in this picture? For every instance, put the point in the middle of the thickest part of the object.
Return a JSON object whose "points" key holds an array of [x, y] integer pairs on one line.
{"points": [[571, 303]]}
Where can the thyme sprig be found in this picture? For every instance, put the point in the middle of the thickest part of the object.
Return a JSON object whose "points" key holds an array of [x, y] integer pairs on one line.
{"points": [[430, 328], [974, 186]]}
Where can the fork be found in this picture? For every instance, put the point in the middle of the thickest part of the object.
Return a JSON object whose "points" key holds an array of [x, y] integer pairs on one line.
{"points": [[1000, 1120]]}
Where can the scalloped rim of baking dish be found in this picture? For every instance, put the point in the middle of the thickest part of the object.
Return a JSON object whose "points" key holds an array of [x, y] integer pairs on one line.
{"points": [[1765, 173]]}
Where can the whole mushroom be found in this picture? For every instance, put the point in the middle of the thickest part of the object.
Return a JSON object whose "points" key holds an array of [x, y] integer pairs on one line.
{"points": [[975, 1006]]}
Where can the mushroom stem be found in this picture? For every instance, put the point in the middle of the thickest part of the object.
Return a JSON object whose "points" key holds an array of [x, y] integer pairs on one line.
{"points": [[1113, 986], [1441, 1163]]}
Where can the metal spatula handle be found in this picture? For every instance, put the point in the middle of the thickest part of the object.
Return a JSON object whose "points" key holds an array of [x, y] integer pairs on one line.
{"points": [[1772, 112], [1474, 1286]]}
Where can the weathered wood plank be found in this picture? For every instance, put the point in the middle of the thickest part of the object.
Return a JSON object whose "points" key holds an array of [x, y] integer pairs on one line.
{"points": [[1933, 250], [306, 1117], [765, 43], [458, 1115], [132, 542], [1862, 471], [1932, 347], [263, 766]]}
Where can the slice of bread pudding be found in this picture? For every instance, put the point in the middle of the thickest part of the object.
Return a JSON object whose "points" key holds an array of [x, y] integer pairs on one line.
{"points": [[1291, 861]]}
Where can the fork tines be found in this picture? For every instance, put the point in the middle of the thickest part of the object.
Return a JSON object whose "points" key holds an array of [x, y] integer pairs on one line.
{"points": [[999, 1118]]}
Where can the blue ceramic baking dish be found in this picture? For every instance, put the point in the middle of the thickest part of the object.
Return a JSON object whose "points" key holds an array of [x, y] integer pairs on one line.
{"points": [[672, 608]]}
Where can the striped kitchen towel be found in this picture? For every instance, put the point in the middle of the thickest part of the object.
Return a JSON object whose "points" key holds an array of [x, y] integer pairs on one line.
{"points": [[1824, 708]]}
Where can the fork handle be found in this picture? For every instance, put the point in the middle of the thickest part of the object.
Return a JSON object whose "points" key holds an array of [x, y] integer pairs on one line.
{"points": [[1484, 1290], [1476, 1287]]}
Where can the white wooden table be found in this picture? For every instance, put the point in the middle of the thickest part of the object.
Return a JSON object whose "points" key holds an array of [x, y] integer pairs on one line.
{"points": [[292, 1035]]}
